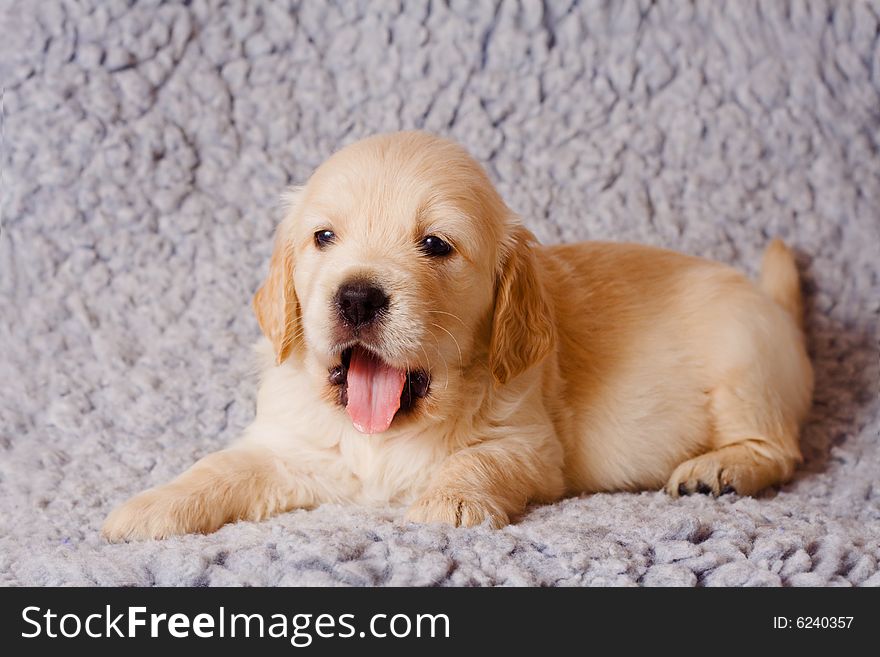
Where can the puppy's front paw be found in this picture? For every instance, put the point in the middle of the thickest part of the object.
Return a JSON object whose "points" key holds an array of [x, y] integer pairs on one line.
{"points": [[457, 509], [706, 474], [156, 513]]}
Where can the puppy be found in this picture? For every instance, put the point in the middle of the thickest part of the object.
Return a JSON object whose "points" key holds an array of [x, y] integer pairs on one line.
{"points": [[421, 349]]}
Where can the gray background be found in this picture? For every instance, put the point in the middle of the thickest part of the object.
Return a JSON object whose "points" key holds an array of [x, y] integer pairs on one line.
{"points": [[143, 152]]}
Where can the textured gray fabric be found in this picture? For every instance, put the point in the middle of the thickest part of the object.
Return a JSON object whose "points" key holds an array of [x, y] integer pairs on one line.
{"points": [[143, 152]]}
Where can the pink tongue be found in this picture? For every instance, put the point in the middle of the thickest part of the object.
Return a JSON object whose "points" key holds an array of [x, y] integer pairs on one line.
{"points": [[374, 389]]}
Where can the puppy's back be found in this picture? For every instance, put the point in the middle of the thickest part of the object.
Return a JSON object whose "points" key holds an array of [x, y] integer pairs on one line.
{"points": [[645, 335]]}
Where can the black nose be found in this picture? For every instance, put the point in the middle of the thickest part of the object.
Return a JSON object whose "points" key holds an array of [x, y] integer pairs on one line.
{"points": [[359, 302]]}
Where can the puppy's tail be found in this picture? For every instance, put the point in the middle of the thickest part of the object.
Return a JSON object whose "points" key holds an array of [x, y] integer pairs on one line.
{"points": [[780, 280]]}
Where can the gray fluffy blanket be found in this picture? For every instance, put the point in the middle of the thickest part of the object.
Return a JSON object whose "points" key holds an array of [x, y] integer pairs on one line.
{"points": [[143, 151]]}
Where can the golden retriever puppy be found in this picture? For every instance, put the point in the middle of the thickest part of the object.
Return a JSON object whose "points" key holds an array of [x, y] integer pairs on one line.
{"points": [[422, 349]]}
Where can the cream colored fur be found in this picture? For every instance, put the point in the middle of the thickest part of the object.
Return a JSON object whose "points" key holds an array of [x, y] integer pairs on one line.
{"points": [[555, 370]]}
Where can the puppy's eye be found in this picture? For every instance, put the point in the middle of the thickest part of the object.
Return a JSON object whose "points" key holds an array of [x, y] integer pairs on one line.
{"points": [[435, 247], [324, 238]]}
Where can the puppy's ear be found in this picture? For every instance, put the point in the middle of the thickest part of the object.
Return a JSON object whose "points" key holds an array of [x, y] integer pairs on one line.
{"points": [[522, 327], [275, 303]]}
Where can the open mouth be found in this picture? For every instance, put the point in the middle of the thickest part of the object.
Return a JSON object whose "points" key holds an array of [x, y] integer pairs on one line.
{"points": [[373, 392]]}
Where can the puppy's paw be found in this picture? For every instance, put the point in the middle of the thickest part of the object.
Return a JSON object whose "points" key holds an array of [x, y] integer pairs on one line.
{"points": [[156, 513], [708, 474], [457, 509]]}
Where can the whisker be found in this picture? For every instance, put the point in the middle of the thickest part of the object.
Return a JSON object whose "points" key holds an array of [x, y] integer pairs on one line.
{"points": [[440, 354], [460, 360], [441, 312], [299, 333], [424, 353]]}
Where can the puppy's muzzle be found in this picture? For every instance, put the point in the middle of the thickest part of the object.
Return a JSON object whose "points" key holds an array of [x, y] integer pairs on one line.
{"points": [[360, 303]]}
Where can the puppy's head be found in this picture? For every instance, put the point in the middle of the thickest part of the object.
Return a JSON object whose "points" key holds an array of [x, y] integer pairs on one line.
{"points": [[400, 277]]}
